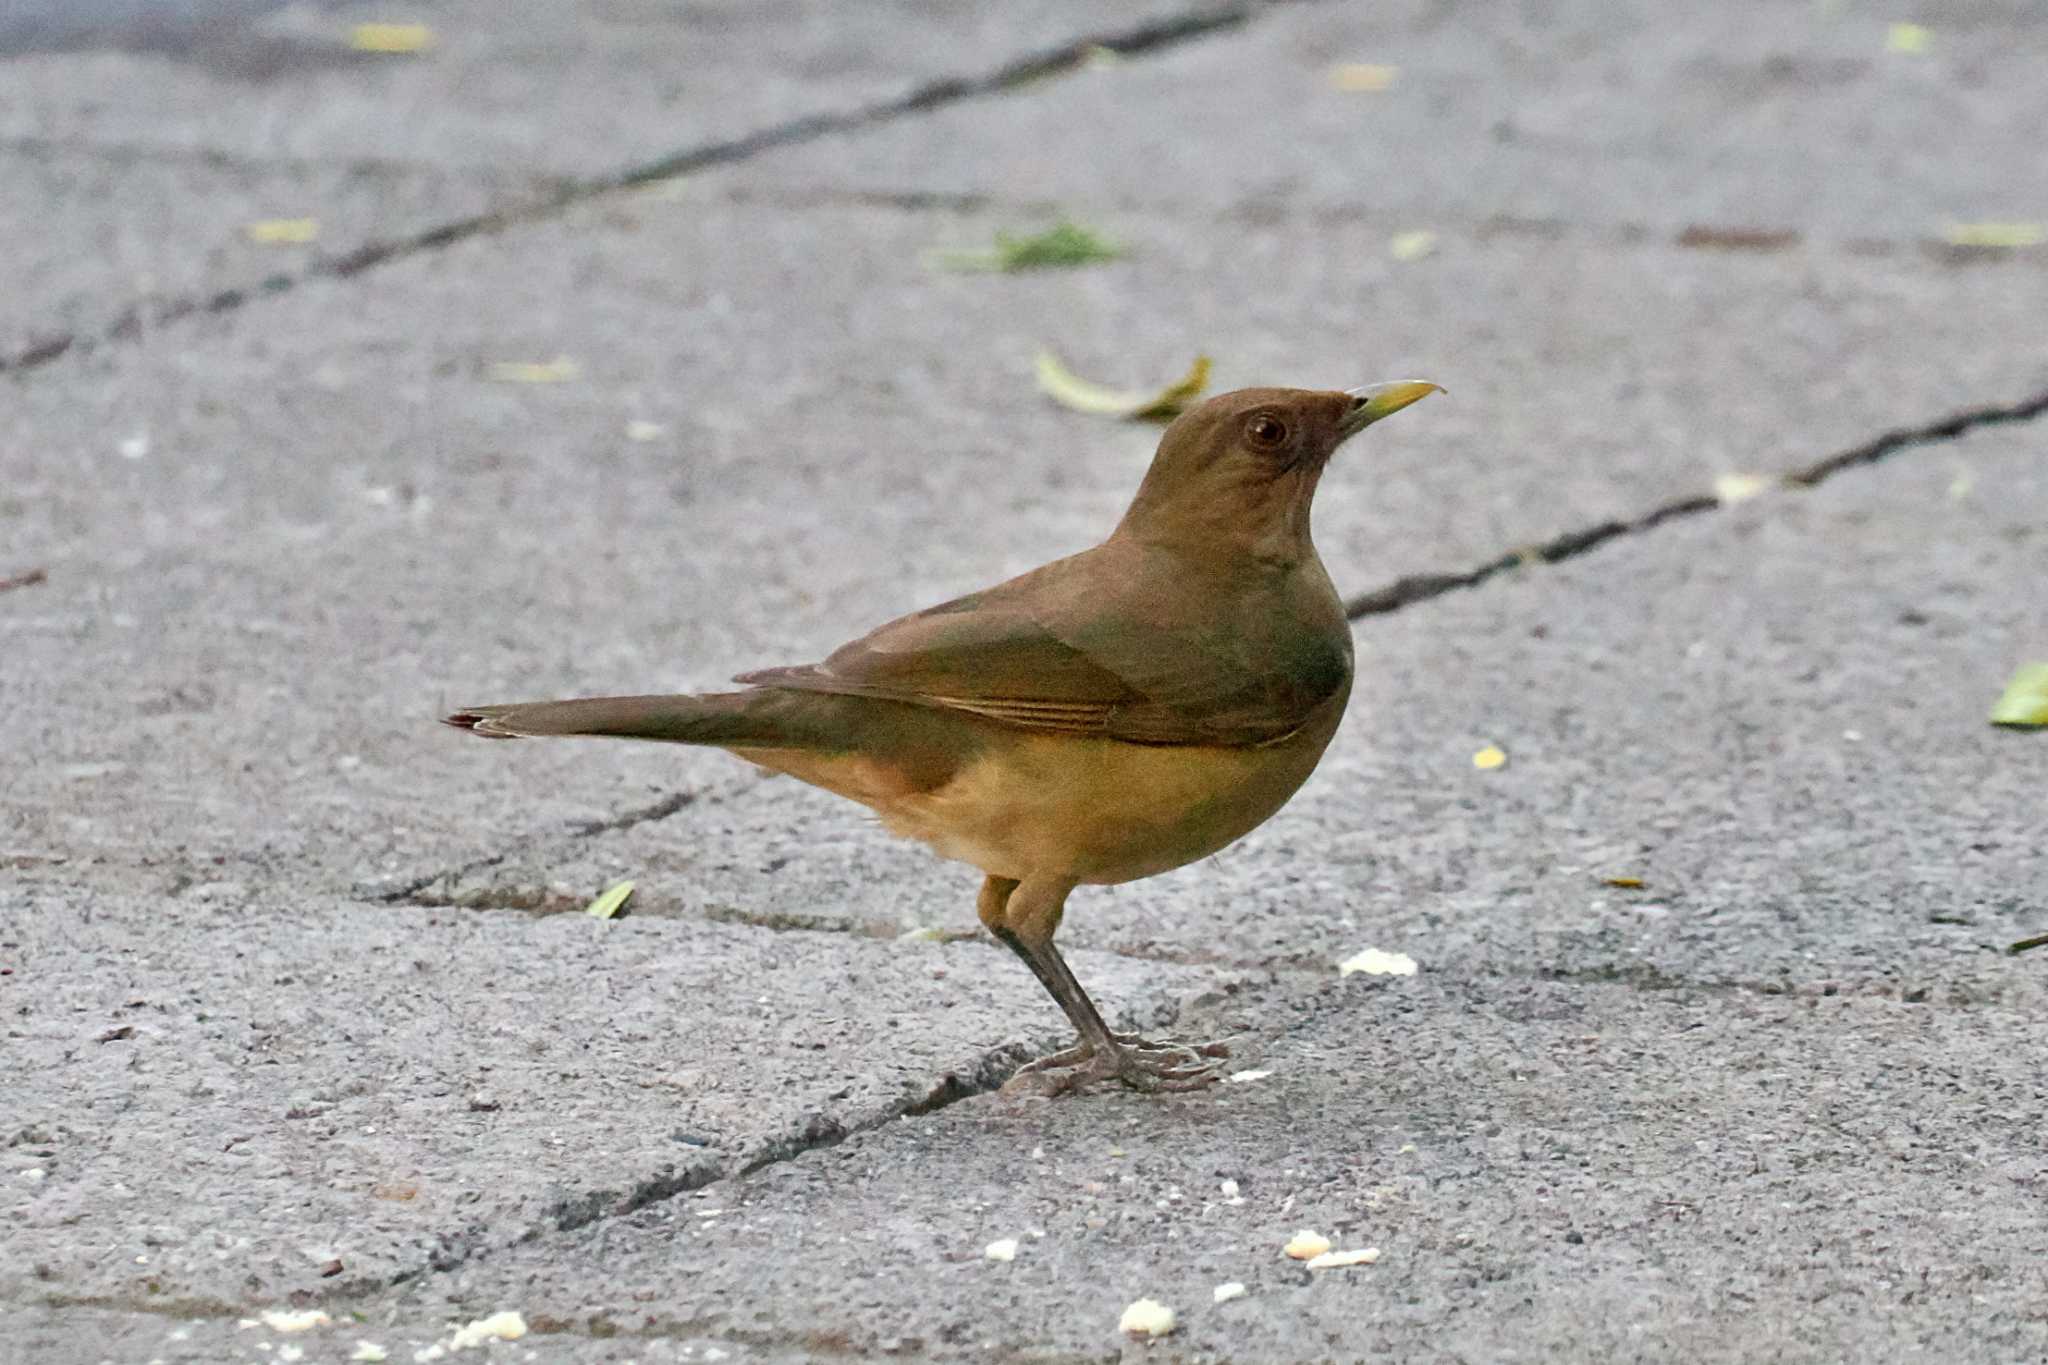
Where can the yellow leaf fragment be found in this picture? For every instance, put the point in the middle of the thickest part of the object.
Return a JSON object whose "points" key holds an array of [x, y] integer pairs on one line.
{"points": [[1995, 235], [1146, 1318], [1908, 38], [2025, 702], [560, 370], [1306, 1245], [391, 38], [1734, 488], [1070, 391], [1624, 883], [1489, 758], [1362, 78], [1335, 1260], [607, 905], [1373, 962], [282, 231], [1411, 246]]}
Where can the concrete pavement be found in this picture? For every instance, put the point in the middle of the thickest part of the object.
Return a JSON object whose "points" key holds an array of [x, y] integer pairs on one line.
{"points": [[293, 1023]]}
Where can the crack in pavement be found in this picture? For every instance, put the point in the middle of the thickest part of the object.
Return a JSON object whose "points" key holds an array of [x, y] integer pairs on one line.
{"points": [[539, 901], [1150, 36], [808, 1344], [1309, 966], [638, 815], [1413, 588], [434, 1327], [817, 1130], [180, 1308], [1651, 979], [1721, 237], [251, 168], [411, 890]]}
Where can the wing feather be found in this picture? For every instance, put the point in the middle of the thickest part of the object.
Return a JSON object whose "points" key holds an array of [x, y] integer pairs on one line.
{"points": [[1110, 643]]}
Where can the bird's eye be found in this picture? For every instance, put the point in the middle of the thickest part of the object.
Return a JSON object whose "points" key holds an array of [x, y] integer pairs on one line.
{"points": [[1265, 431]]}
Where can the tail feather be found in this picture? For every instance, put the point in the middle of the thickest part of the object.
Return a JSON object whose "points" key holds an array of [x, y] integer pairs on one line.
{"points": [[922, 745], [714, 718]]}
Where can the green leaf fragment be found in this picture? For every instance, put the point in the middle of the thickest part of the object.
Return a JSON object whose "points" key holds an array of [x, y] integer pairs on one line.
{"points": [[1071, 391], [2025, 703], [607, 905], [1060, 246]]}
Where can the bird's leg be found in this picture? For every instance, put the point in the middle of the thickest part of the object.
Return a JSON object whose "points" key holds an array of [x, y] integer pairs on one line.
{"points": [[1025, 916]]}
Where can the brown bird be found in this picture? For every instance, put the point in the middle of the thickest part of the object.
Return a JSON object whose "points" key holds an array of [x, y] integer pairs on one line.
{"points": [[1106, 717]]}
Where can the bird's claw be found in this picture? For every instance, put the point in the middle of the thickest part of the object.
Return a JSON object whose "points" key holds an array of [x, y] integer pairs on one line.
{"points": [[1139, 1063]]}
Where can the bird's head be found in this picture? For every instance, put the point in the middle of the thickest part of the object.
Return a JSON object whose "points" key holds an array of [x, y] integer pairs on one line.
{"points": [[1240, 470]]}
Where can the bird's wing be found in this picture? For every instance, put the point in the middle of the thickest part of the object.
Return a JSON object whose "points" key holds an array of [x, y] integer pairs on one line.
{"points": [[1101, 644]]}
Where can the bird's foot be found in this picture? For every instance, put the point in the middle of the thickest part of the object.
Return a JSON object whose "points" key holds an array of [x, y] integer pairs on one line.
{"points": [[1143, 1065]]}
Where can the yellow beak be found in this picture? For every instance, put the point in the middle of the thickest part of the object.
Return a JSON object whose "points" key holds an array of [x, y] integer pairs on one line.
{"points": [[1375, 401]]}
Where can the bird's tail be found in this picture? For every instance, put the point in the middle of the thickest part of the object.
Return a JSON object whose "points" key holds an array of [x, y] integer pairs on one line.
{"points": [[721, 718]]}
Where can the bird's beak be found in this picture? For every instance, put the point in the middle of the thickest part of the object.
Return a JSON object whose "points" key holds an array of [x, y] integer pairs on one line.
{"points": [[1375, 401]]}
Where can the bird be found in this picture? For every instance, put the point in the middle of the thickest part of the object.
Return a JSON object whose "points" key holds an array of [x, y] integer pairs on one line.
{"points": [[1102, 718]]}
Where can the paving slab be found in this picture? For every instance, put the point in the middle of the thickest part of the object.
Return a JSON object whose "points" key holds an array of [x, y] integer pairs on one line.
{"points": [[1549, 1172], [139, 149], [1779, 1094], [235, 1097], [1774, 119], [378, 528], [1785, 872], [563, 88], [111, 239]]}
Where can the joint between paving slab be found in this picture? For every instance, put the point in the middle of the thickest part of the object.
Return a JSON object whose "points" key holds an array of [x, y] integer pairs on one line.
{"points": [[173, 1307], [251, 167], [541, 901], [413, 889], [1725, 239], [818, 1131], [812, 1344], [639, 815], [1151, 36], [1415, 588], [1653, 980]]}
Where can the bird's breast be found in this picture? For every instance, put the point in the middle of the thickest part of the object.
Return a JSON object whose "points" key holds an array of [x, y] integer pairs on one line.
{"points": [[1100, 810]]}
